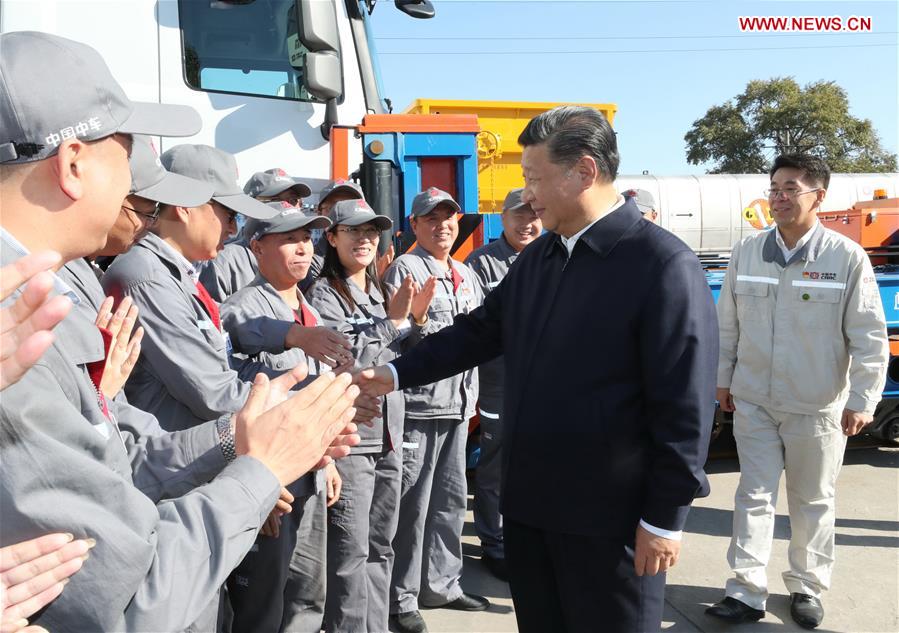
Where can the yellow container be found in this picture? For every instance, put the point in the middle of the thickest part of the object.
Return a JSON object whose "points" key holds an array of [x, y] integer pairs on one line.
{"points": [[499, 155]]}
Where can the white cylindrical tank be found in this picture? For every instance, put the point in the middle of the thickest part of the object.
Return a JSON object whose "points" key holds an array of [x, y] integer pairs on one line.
{"points": [[707, 211]]}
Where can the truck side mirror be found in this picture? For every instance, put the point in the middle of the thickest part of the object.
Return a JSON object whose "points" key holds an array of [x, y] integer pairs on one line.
{"points": [[421, 9], [313, 43]]}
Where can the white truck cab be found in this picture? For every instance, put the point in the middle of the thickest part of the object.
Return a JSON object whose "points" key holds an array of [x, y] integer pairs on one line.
{"points": [[268, 77]]}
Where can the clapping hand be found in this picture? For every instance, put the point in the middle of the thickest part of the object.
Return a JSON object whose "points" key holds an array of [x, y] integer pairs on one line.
{"points": [[124, 349], [25, 325], [33, 573]]}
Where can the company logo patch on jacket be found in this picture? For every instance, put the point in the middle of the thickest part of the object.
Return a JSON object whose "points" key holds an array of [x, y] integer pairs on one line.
{"points": [[818, 275]]}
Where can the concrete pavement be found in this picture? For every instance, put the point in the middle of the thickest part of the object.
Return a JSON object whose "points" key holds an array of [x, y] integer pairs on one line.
{"points": [[865, 592]]}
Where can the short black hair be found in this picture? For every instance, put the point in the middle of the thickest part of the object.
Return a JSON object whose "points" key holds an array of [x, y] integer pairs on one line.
{"points": [[571, 132], [815, 170]]}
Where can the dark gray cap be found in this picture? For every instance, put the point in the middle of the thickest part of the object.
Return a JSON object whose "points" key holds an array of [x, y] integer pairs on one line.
{"points": [[645, 201], [150, 180], [357, 212], [513, 201], [286, 218], [340, 185], [431, 198], [218, 168], [53, 89], [271, 182]]}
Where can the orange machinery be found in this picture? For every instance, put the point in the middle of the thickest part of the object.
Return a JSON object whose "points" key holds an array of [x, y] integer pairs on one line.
{"points": [[872, 223]]}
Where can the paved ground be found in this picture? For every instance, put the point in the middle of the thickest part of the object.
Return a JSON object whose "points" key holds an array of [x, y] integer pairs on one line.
{"points": [[865, 593]]}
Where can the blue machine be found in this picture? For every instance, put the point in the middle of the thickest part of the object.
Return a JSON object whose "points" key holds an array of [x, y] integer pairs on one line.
{"points": [[886, 417]]}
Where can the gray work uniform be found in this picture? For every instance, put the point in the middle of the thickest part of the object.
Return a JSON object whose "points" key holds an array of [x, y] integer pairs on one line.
{"points": [[230, 270], [490, 263], [801, 340], [183, 375], [66, 468], [363, 522], [428, 545], [280, 585], [163, 464]]}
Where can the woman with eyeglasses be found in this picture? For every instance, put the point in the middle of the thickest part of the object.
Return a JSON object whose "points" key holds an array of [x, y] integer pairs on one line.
{"points": [[351, 298]]}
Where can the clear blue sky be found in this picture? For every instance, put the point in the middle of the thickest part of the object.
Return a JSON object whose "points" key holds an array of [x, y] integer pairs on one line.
{"points": [[659, 94]]}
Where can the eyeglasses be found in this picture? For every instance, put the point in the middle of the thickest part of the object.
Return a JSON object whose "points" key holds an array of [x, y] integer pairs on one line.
{"points": [[358, 232], [789, 194], [150, 218]]}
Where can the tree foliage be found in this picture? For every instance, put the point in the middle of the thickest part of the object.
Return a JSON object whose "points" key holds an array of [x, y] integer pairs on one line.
{"points": [[779, 116]]}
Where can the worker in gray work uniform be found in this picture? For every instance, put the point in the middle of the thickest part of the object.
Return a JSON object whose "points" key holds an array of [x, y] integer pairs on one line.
{"points": [[334, 192], [280, 585], [184, 376], [802, 365], [235, 266], [491, 262], [351, 298], [157, 565], [428, 543], [164, 465]]}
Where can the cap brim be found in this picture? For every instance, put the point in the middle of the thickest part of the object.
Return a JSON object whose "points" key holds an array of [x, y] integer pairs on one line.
{"points": [[352, 190], [302, 222], [302, 188], [178, 191], [244, 204], [449, 202], [520, 205], [159, 119], [381, 222]]}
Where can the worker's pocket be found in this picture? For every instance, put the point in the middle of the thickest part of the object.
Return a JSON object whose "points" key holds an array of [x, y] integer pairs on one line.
{"points": [[342, 514], [441, 309], [412, 455], [753, 303], [216, 340], [817, 308]]}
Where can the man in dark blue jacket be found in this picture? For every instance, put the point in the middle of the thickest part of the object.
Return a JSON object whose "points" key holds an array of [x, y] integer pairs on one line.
{"points": [[610, 340]]}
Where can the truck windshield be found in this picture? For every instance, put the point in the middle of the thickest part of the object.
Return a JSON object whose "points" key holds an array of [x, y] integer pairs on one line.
{"points": [[238, 47]]}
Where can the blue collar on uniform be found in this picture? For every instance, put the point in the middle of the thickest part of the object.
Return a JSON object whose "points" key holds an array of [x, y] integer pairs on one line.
{"points": [[605, 234]]}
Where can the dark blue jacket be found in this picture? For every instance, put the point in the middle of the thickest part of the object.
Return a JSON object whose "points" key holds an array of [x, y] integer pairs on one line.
{"points": [[610, 359]]}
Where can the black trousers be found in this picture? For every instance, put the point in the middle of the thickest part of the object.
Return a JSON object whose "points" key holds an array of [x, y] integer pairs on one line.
{"points": [[571, 583]]}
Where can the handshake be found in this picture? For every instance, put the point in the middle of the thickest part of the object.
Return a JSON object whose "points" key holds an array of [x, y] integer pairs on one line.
{"points": [[295, 432]]}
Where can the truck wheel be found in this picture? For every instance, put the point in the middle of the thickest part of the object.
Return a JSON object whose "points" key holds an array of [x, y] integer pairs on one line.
{"points": [[890, 431]]}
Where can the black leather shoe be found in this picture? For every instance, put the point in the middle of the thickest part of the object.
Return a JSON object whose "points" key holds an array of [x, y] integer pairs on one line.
{"points": [[496, 566], [806, 610], [408, 622], [733, 610], [466, 602]]}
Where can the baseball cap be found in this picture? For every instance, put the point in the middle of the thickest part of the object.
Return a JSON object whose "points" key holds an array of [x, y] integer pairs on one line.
{"points": [[218, 168], [645, 201], [78, 99], [340, 185], [513, 200], [150, 180], [286, 218], [426, 201], [356, 212], [271, 182]]}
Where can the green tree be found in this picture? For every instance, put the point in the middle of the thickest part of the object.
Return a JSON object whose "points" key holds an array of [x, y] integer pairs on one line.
{"points": [[779, 116]]}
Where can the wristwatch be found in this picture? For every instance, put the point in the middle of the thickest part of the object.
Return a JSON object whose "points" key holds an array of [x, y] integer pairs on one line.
{"points": [[226, 439]]}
